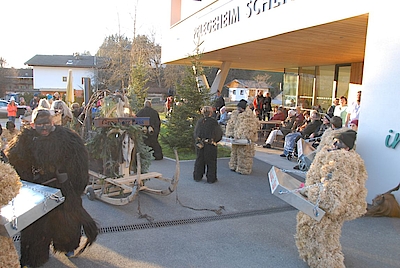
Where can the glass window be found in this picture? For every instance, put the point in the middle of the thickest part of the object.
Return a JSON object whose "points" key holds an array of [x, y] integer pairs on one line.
{"points": [[290, 83], [325, 86], [343, 80], [306, 87]]}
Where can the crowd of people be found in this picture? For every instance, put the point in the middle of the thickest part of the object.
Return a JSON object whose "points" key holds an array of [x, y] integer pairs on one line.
{"points": [[295, 124], [311, 124], [336, 128]]}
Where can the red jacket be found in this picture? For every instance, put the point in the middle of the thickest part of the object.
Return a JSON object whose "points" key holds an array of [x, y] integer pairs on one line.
{"points": [[280, 116], [12, 110]]}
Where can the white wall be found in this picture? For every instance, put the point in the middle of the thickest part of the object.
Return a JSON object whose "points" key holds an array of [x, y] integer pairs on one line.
{"points": [[380, 97], [237, 96], [51, 77], [179, 42]]}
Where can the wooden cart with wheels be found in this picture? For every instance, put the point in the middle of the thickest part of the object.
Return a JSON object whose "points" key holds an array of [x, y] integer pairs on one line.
{"points": [[121, 191]]}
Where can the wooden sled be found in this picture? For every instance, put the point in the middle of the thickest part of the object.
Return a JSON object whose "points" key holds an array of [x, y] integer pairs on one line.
{"points": [[121, 191]]}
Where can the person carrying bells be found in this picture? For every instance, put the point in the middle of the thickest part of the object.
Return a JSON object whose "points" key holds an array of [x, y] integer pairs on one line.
{"points": [[242, 125], [206, 133], [335, 182], [54, 156]]}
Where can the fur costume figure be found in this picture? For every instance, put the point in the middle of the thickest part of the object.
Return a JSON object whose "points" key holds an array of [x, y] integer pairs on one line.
{"points": [[53, 156], [242, 125], [9, 187], [8, 134], [343, 198]]}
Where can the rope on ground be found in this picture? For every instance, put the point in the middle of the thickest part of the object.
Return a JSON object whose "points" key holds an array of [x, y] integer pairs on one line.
{"points": [[216, 211], [145, 216]]}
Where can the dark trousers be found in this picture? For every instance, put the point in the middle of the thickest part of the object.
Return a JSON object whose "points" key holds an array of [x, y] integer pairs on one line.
{"points": [[206, 158], [153, 143]]}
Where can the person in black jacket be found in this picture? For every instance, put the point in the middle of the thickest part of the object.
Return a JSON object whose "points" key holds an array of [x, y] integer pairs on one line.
{"points": [[267, 106], [206, 134], [218, 104], [151, 139], [292, 138], [331, 109]]}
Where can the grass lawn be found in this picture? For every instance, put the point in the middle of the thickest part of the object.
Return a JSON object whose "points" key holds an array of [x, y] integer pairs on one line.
{"points": [[223, 151]]}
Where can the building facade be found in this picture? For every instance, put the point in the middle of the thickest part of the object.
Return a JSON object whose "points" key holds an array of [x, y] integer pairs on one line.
{"points": [[239, 89], [50, 72], [326, 49]]}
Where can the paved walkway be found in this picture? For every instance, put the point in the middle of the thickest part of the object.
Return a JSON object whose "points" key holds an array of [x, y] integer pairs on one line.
{"points": [[254, 228]]}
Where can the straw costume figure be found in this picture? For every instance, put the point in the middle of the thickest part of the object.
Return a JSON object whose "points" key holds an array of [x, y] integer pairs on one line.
{"points": [[242, 125], [9, 188], [54, 156], [342, 197]]}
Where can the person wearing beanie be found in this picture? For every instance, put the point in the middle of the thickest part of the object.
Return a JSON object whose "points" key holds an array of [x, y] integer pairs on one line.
{"points": [[242, 105], [345, 140], [354, 124], [242, 125], [342, 195], [34, 102], [12, 110], [327, 137], [49, 98]]}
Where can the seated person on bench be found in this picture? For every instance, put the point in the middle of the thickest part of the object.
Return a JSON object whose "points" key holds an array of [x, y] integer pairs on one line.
{"points": [[292, 138], [279, 115], [316, 136], [289, 125], [335, 127]]}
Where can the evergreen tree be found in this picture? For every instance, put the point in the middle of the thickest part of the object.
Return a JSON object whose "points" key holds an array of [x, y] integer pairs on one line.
{"points": [[137, 91], [190, 97]]}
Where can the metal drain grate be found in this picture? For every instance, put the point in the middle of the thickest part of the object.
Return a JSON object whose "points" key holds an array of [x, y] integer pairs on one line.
{"points": [[150, 225]]}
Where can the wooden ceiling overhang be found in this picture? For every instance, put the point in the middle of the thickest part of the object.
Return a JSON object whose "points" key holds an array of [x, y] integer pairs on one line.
{"points": [[332, 43]]}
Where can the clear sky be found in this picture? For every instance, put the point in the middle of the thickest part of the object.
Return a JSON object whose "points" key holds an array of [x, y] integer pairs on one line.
{"points": [[52, 27]]}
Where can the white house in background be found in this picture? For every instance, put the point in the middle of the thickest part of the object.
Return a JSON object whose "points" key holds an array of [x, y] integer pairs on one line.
{"points": [[50, 72], [245, 89]]}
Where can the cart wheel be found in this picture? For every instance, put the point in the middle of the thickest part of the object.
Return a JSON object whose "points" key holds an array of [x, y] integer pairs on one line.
{"points": [[289, 156], [90, 193]]}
